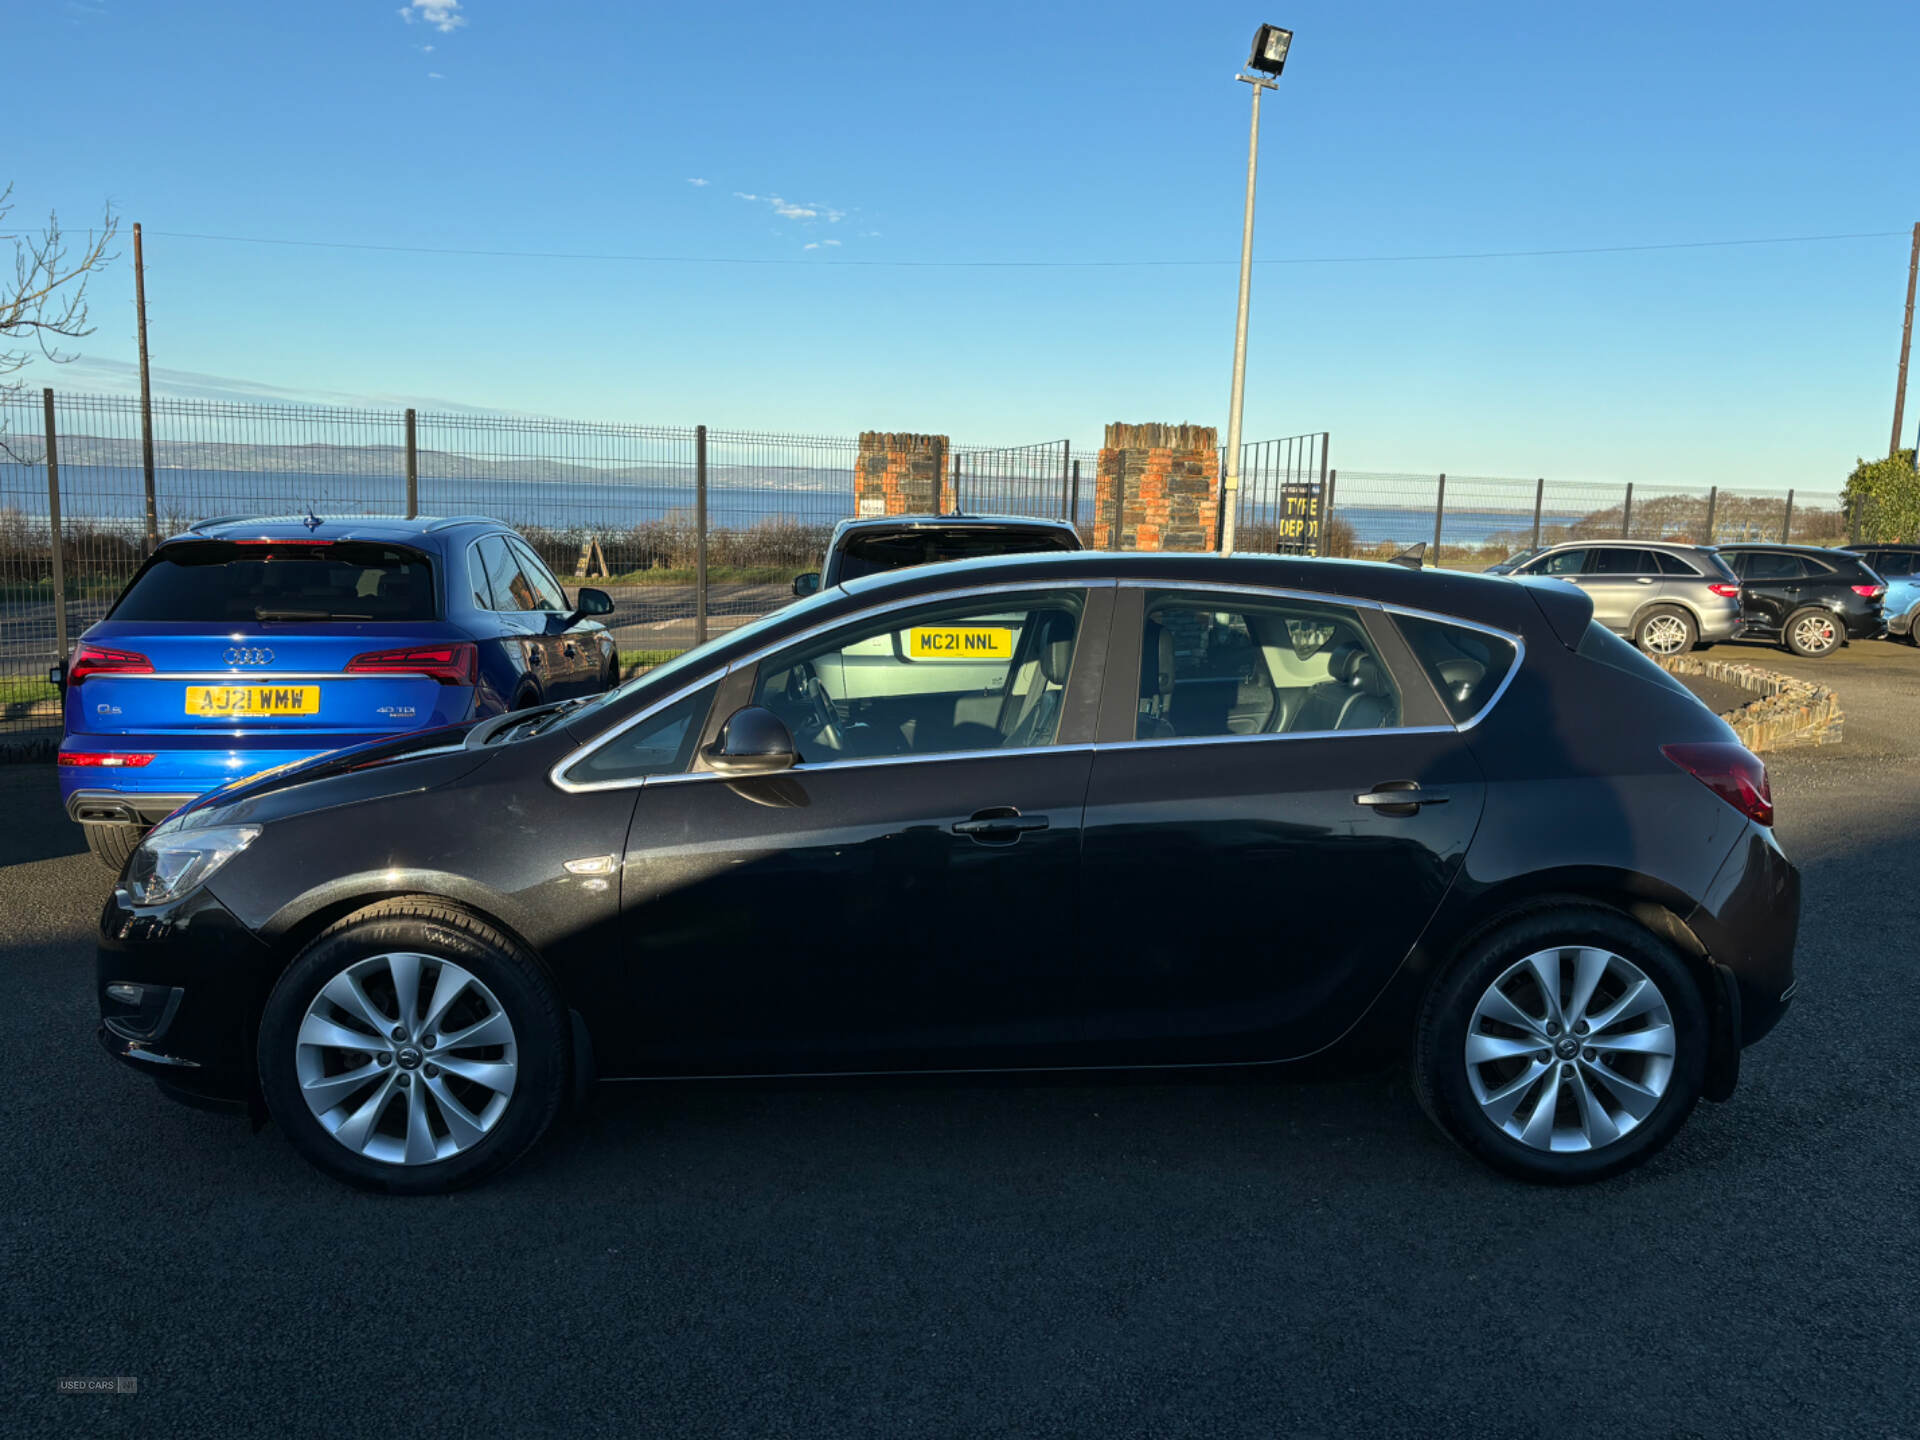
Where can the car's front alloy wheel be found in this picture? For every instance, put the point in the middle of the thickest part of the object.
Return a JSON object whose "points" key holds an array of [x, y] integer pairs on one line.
{"points": [[1566, 1045], [413, 1048]]}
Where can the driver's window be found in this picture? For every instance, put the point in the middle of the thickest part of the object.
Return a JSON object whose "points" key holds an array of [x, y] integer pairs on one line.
{"points": [[981, 674]]}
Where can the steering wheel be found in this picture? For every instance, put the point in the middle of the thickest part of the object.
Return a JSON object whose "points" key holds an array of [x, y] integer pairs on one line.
{"points": [[825, 723]]}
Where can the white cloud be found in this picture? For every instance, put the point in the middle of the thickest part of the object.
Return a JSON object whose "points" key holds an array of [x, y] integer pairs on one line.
{"points": [[435, 75], [829, 242], [700, 183], [792, 209], [443, 15], [810, 247], [742, 195], [426, 49], [790, 212]]}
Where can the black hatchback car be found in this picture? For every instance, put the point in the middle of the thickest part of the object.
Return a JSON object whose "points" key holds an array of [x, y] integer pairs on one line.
{"points": [[1040, 812], [1810, 599]]}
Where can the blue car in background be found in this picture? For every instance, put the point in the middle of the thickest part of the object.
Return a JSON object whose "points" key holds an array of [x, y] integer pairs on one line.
{"points": [[245, 644], [1899, 566]]}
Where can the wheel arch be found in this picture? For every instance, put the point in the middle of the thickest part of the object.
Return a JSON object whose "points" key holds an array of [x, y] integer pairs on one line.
{"points": [[1674, 602]]}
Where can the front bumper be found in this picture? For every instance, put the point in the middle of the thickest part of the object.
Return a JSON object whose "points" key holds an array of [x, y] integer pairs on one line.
{"points": [[180, 989]]}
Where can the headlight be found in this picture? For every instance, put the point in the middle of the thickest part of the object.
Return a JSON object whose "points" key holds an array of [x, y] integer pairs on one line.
{"points": [[170, 863]]}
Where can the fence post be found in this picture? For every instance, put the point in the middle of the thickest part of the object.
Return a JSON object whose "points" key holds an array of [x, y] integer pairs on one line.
{"points": [[1786, 521], [1326, 495], [1073, 496], [1713, 503], [146, 394], [413, 469], [1066, 477], [699, 534], [1626, 514], [1439, 511], [955, 497], [57, 535], [1539, 498], [1119, 501], [1326, 512]]}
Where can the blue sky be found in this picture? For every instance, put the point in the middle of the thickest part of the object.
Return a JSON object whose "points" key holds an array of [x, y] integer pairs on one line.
{"points": [[841, 133]]}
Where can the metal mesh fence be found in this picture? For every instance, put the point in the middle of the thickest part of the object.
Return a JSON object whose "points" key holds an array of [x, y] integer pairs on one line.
{"points": [[618, 506]]}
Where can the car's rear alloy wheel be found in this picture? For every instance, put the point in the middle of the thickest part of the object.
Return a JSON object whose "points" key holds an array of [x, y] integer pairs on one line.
{"points": [[413, 1048], [1570, 1048], [1568, 1045], [1666, 632], [1812, 633]]}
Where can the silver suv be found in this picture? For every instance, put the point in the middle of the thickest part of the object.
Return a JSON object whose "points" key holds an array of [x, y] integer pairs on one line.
{"points": [[1667, 599]]}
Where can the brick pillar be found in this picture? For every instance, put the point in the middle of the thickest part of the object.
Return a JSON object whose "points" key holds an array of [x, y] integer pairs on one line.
{"points": [[899, 474], [1167, 478]]}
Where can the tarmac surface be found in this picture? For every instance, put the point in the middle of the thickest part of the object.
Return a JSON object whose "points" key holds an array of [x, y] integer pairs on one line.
{"points": [[1104, 1257]]}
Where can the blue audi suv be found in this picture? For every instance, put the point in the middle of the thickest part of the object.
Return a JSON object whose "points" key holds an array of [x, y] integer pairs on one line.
{"points": [[247, 644]]}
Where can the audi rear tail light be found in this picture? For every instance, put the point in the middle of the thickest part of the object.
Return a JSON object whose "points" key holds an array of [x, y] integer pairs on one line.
{"points": [[453, 664], [1731, 771], [106, 762], [98, 660], [1725, 590], [1870, 592]]}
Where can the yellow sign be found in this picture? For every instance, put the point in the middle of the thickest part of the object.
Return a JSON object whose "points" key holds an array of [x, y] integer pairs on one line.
{"points": [[221, 701], [960, 642]]}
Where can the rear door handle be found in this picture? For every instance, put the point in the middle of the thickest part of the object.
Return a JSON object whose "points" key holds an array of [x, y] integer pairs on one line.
{"points": [[1000, 825], [1400, 797]]}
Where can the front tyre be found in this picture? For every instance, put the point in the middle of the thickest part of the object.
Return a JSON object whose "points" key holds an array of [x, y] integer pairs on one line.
{"points": [[1566, 1046], [1813, 632], [413, 1049]]}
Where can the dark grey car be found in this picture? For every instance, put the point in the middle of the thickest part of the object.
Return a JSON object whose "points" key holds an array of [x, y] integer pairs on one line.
{"points": [[1666, 598]]}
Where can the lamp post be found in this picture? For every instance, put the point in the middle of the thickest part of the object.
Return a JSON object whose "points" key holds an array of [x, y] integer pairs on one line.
{"points": [[1269, 57]]}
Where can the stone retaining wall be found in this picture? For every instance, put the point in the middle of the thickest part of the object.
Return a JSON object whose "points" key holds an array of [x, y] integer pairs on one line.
{"points": [[1785, 711]]}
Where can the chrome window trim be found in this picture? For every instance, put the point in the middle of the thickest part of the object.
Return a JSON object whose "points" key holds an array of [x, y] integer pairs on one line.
{"points": [[754, 657], [573, 757]]}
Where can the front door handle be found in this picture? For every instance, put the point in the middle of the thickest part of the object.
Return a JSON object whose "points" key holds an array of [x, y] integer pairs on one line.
{"points": [[1400, 798], [1643, 580], [999, 825]]}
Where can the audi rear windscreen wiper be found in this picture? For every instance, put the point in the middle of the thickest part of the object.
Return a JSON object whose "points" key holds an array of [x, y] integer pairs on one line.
{"points": [[261, 612]]}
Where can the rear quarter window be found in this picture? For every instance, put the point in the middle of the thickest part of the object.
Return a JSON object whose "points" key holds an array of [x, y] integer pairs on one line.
{"points": [[217, 581], [1606, 648], [1466, 666]]}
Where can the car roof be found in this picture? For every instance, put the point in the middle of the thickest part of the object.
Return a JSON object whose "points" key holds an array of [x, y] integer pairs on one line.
{"points": [[1490, 599], [1788, 548], [1623, 544], [1036, 523], [382, 528], [1902, 547]]}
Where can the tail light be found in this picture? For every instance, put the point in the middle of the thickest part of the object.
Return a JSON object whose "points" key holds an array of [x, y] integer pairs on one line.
{"points": [[98, 660], [1725, 590], [105, 762], [1870, 592], [1731, 771], [453, 664]]}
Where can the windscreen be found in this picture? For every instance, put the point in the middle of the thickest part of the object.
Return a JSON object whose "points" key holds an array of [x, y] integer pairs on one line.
{"points": [[216, 581], [871, 554]]}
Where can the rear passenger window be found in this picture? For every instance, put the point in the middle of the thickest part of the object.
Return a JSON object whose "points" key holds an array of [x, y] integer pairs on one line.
{"points": [[1559, 562], [1608, 560], [1213, 665], [1466, 666]]}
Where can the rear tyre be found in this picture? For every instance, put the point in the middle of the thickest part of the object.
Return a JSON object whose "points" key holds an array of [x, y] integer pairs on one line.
{"points": [[412, 1049], [1813, 632], [1566, 1046], [113, 845], [1666, 631]]}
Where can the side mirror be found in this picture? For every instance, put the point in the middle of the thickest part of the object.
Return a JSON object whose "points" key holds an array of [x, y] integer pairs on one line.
{"points": [[807, 584], [754, 741], [592, 601]]}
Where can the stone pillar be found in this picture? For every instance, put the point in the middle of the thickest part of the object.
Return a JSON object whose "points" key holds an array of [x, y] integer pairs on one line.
{"points": [[899, 474], [1167, 481]]}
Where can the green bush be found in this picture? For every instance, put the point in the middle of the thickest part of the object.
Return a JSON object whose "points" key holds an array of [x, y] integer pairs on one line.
{"points": [[1883, 499]]}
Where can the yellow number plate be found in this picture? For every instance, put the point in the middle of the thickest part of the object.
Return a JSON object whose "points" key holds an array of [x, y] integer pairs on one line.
{"points": [[960, 642], [221, 701]]}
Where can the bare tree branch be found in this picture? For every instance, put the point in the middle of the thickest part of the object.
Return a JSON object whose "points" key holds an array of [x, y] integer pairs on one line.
{"points": [[47, 300]]}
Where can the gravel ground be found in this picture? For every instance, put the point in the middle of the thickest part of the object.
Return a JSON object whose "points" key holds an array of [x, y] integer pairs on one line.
{"points": [[1091, 1258]]}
